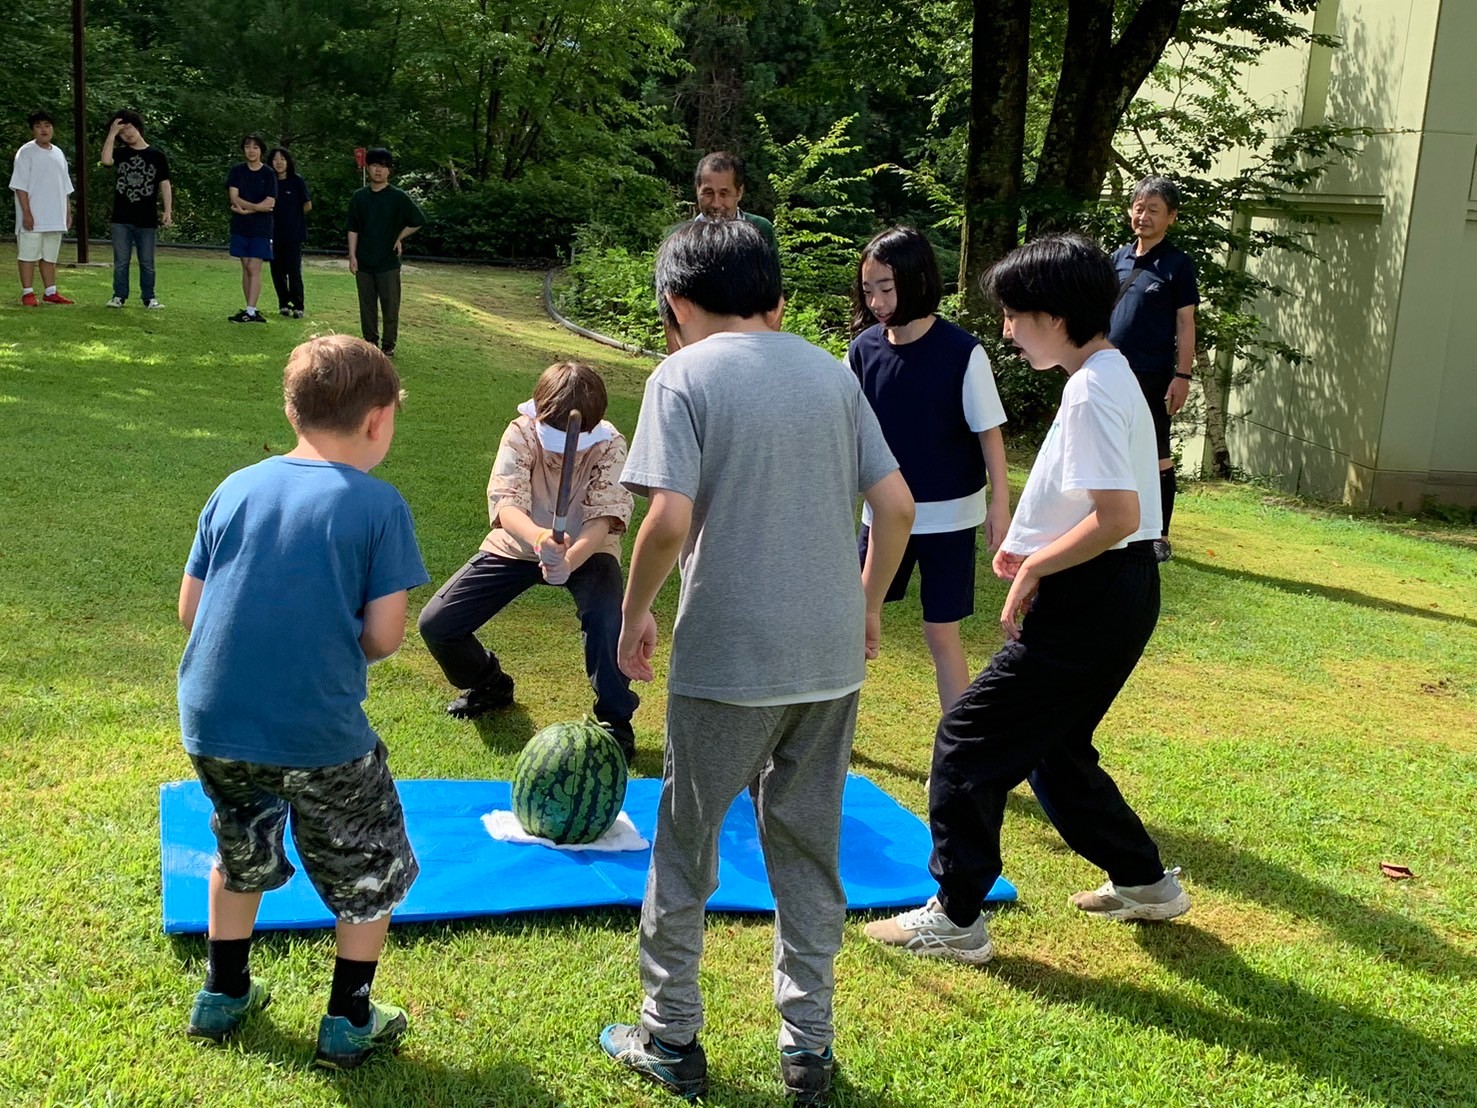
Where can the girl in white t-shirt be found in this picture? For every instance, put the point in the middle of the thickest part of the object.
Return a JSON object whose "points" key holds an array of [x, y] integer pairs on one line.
{"points": [[1083, 601]]}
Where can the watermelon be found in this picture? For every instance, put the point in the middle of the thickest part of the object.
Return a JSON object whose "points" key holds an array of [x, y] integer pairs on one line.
{"points": [[569, 782]]}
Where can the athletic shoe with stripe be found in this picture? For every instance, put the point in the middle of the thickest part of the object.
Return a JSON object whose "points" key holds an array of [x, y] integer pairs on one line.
{"points": [[683, 1073], [216, 1016], [929, 933], [1164, 899], [343, 1045]]}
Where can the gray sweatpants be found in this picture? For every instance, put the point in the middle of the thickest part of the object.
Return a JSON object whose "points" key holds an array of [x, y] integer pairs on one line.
{"points": [[792, 758]]}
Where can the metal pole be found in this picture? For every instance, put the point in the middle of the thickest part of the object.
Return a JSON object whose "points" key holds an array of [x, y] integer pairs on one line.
{"points": [[79, 128]]}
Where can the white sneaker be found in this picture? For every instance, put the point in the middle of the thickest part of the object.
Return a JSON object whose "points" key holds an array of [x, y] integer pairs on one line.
{"points": [[1164, 899], [153, 305], [929, 933], [116, 302]]}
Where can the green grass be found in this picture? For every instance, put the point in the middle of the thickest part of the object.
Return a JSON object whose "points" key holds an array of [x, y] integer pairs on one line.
{"points": [[1307, 709]]}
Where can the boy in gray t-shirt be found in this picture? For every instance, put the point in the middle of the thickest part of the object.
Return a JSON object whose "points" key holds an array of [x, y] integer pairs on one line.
{"points": [[752, 446]]}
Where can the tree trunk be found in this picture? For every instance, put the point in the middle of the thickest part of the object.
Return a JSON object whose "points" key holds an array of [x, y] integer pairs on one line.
{"points": [[1099, 79], [998, 70], [1215, 388]]}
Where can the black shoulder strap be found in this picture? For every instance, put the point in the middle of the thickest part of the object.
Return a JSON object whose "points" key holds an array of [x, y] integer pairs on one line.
{"points": [[1127, 283]]}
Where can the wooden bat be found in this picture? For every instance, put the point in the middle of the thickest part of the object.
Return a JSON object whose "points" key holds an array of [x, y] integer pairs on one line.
{"points": [[566, 473]]}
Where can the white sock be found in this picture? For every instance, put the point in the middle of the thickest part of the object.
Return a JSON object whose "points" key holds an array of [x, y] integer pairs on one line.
{"points": [[250, 311], [50, 290], [28, 291]]}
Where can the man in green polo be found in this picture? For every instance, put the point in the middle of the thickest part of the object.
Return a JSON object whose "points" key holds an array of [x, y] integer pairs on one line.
{"points": [[719, 181], [381, 217]]}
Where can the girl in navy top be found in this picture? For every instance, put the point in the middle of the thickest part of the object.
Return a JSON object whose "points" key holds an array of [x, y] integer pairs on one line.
{"points": [[931, 386], [289, 232]]}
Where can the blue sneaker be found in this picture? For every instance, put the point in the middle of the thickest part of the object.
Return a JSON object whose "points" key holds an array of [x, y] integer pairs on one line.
{"points": [[216, 1016], [343, 1045], [637, 1049], [807, 1075]]}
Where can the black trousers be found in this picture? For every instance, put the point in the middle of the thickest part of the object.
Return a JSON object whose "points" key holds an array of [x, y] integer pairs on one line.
{"points": [[1030, 716], [376, 291], [487, 584], [287, 274]]}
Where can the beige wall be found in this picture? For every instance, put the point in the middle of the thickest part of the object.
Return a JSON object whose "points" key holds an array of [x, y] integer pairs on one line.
{"points": [[1384, 411]]}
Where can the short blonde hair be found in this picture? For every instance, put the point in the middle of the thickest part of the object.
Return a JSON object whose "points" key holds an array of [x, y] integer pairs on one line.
{"points": [[333, 381]]}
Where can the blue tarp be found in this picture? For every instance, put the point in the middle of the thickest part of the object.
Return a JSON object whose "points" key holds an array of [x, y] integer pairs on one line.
{"points": [[465, 872]]}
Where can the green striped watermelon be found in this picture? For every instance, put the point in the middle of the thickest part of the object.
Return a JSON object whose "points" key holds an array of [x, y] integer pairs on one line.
{"points": [[569, 783]]}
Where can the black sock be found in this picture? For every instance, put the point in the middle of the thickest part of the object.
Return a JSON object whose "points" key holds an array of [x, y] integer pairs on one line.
{"points": [[227, 970], [350, 995], [684, 1049], [1167, 488]]}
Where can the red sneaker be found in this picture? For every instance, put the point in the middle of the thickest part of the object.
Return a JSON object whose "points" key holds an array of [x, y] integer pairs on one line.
{"points": [[57, 298], [30, 301]]}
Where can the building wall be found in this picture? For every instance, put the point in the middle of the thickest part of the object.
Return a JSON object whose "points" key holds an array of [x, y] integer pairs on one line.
{"points": [[1384, 411]]}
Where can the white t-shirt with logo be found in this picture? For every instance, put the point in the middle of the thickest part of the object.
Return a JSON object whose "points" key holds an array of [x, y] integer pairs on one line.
{"points": [[42, 175], [1102, 438]]}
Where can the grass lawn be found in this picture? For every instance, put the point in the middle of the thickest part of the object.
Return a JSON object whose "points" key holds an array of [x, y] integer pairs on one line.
{"points": [[1307, 709]]}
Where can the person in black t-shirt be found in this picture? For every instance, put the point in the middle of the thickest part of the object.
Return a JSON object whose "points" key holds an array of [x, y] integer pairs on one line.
{"points": [[252, 187], [289, 232], [1154, 321], [142, 181]]}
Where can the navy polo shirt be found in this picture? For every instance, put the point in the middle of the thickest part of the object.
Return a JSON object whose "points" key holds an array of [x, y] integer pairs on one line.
{"points": [[1143, 325]]}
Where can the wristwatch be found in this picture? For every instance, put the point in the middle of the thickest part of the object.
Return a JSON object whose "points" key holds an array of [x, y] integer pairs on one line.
{"points": [[1185, 376]]}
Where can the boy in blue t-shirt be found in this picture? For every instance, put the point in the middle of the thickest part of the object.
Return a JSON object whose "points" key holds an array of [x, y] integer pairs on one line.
{"points": [[297, 580]]}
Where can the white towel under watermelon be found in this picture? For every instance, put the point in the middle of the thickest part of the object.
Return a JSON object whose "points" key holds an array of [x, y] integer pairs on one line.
{"points": [[504, 826]]}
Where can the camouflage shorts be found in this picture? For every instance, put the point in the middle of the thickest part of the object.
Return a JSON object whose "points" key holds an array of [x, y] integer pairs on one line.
{"points": [[347, 824]]}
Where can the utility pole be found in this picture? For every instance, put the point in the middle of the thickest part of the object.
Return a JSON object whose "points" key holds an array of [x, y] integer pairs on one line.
{"points": [[79, 128]]}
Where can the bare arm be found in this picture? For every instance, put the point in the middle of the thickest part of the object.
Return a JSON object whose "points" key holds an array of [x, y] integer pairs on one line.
{"points": [[384, 625], [353, 251], [107, 154], [892, 522], [166, 190], [1184, 357], [403, 235], [593, 534], [28, 221], [1114, 517], [997, 514], [307, 206], [653, 555], [190, 589]]}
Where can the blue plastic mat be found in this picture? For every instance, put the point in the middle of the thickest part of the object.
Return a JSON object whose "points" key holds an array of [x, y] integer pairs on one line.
{"points": [[465, 872]]}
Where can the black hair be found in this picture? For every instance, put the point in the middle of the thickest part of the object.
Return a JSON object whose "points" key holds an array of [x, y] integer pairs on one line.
{"points": [[725, 268], [378, 155], [261, 143], [40, 115], [719, 161], [286, 153], [1161, 187], [1066, 276], [915, 273], [133, 119]]}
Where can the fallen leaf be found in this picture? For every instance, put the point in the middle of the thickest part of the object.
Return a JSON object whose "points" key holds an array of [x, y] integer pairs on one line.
{"points": [[1211, 553], [1396, 872]]}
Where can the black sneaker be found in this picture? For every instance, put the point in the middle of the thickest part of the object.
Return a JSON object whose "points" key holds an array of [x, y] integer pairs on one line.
{"points": [[496, 692], [255, 317], [389, 351], [681, 1071], [1162, 550], [297, 313], [624, 736], [243, 316], [807, 1075], [284, 312]]}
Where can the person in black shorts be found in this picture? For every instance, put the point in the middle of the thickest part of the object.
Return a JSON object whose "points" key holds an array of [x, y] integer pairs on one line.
{"points": [[1154, 321]]}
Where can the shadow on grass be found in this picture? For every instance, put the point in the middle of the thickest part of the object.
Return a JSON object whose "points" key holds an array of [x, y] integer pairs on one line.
{"points": [[1387, 936], [505, 731], [1256, 1013], [897, 769], [1328, 592]]}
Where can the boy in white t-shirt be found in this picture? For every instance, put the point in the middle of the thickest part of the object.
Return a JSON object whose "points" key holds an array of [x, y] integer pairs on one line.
{"points": [[1083, 601], [43, 209]]}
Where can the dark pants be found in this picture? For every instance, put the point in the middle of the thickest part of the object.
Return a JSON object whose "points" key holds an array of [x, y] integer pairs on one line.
{"points": [[379, 291], [488, 583], [1030, 716], [287, 273], [126, 239]]}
